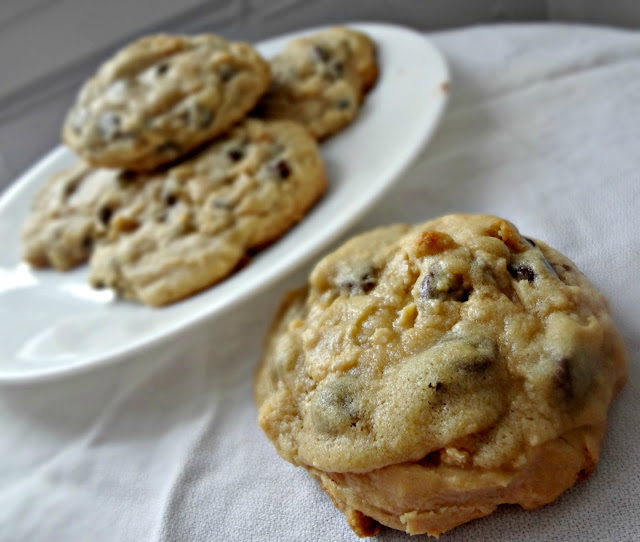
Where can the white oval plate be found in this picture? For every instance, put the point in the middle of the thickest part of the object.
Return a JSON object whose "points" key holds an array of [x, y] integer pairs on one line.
{"points": [[55, 324]]}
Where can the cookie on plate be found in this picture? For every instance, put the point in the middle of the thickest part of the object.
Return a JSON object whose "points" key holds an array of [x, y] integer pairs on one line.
{"points": [[193, 225], [70, 212], [428, 374], [161, 97], [320, 80]]}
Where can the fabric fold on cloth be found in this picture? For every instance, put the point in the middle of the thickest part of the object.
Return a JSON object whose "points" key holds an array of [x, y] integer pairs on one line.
{"points": [[543, 130]]}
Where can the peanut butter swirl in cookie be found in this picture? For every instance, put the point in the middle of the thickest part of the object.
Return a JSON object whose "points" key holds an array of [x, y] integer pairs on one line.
{"points": [[428, 374]]}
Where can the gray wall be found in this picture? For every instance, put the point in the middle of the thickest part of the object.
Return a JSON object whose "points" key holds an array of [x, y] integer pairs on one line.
{"points": [[48, 47]]}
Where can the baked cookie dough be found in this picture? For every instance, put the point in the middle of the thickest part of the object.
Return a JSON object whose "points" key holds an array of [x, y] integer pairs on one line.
{"points": [[428, 374], [192, 226], [320, 80], [161, 97], [70, 213]]}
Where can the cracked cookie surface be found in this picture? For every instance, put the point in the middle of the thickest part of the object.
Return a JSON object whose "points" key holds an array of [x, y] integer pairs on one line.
{"points": [[161, 97], [193, 225], [427, 374], [70, 213], [320, 80]]}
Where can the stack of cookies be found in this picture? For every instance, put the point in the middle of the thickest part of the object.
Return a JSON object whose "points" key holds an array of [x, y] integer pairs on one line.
{"points": [[195, 152]]}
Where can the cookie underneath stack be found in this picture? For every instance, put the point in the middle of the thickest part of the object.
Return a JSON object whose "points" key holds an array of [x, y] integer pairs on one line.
{"points": [[193, 186], [428, 374]]}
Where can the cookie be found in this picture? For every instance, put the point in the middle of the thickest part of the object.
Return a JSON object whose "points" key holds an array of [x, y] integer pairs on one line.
{"points": [[320, 80], [69, 214], [428, 374], [192, 226], [161, 97], [362, 47]]}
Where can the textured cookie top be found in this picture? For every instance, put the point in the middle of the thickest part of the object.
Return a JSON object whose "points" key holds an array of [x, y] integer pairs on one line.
{"points": [[362, 47], [192, 225], [162, 96], [70, 212], [320, 80], [457, 335]]}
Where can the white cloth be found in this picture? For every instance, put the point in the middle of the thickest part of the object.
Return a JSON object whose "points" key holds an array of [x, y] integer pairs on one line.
{"points": [[543, 129]]}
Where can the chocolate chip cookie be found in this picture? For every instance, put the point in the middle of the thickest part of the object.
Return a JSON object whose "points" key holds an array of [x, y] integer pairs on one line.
{"points": [[161, 97], [70, 214], [428, 374], [320, 80], [191, 226]]}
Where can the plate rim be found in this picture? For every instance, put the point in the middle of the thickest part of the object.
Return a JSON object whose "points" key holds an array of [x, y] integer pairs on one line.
{"points": [[201, 316]]}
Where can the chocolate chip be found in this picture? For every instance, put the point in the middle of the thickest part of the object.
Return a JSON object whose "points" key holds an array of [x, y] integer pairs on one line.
{"points": [[105, 214], [574, 374], [444, 286], [563, 379], [337, 69], [226, 72], [344, 104], [170, 199], [235, 155], [437, 386], [431, 459], [361, 282], [319, 54], [283, 169], [335, 406], [70, 189], [127, 176], [530, 241], [521, 271], [87, 242], [567, 267], [162, 68], [203, 117]]}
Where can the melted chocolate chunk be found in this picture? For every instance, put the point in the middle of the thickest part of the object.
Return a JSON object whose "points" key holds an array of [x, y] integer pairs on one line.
{"points": [[320, 54], [203, 117], [431, 459], [359, 283], [127, 176], [438, 285], [337, 69], [521, 271], [235, 155], [226, 72], [335, 407], [162, 68], [70, 189], [574, 374], [283, 169], [563, 378], [105, 214]]}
